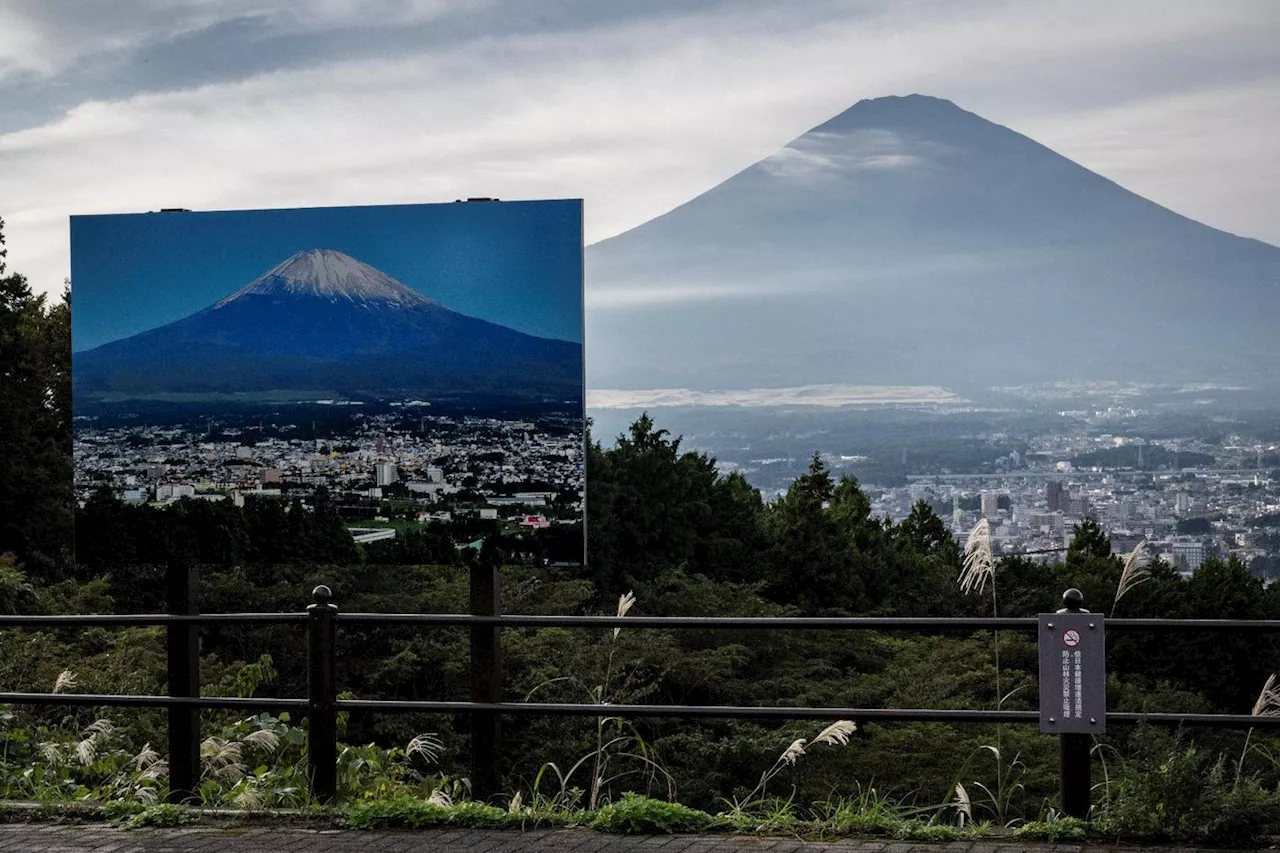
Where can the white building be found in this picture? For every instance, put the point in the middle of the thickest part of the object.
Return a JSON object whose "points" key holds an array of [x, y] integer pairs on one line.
{"points": [[1188, 554], [385, 473]]}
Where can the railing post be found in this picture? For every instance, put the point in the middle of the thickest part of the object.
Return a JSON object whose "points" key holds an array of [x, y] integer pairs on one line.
{"points": [[1075, 771], [322, 695], [182, 652], [486, 677]]}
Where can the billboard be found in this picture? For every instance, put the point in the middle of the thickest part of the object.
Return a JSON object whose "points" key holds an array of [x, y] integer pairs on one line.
{"points": [[397, 356]]}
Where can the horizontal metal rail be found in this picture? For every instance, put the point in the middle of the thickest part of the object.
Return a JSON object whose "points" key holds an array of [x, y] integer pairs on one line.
{"points": [[717, 623], [941, 715], [937, 715], [134, 619], [485, 623], [1193, 625], [754, 623], [127, 700]]}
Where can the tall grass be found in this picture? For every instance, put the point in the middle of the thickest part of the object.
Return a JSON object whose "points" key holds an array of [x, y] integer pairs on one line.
{"points": [[836, 734], [1136, 570], [616, 741], [978, 569], [1267, 705]]}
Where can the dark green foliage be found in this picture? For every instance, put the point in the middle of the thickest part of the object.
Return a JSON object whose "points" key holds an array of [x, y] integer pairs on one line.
{"points": [[35, 424], [1053, 831], [638, 815], [651, 506], [111, 534], [1195, 527], [159, 815], [413, 813], [814, 557], [1174, 790]]}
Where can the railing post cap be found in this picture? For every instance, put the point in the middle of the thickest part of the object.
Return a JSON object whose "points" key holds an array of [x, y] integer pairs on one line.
{"points": [[323, 596], [1073, 600]]}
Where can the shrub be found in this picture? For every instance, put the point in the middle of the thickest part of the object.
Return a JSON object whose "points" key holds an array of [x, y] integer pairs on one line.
{"points": [[161, 815], [916, 830], [1055, 830], [413, 813], [639, 815], [1181, 793]]}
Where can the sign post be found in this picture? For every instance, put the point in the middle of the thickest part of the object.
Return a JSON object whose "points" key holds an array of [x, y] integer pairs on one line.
{"points": [[1073, 692]]}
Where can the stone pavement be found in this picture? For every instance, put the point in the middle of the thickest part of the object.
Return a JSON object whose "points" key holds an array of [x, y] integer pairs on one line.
{"points": [[99, 838]]}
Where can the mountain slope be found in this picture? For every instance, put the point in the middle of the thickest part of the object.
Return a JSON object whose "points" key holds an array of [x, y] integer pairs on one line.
{"points": [[909, 241], [323, 321]]}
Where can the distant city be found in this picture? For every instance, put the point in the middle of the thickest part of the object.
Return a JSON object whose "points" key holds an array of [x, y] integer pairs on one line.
{"points": [[1193, 484], [1199, 499], [387, 470]]}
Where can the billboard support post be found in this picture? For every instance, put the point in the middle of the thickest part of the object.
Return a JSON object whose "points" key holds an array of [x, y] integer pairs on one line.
{"points": [[322, 695], [182, 654], [486, 675]]}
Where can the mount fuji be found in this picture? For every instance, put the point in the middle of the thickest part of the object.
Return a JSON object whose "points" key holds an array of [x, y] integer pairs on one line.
{"points": [[322, 321], [908, 241]]}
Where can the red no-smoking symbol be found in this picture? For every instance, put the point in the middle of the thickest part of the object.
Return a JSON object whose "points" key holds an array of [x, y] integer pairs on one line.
{"points": [[1071, 638]]}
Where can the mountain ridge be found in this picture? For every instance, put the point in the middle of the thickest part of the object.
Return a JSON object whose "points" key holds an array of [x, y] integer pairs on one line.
{"points": [[876, 247], [332, 274], [321, 320]]}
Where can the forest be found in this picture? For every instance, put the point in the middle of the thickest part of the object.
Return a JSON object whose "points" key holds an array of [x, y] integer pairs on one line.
{"points": [[667, 534]]}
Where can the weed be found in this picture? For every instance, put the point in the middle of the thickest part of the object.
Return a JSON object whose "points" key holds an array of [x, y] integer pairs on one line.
{"points": [[164, 814], [866, 812], [836, 734], [623, 744], [1053, 829], [918, 830], [1182, 793], [639, 815], [998, 801]]}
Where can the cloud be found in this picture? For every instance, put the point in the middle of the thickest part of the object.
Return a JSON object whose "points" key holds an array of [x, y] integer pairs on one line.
{"points": [[821, 155], [802, 395], [44, 37], [634, 106]]}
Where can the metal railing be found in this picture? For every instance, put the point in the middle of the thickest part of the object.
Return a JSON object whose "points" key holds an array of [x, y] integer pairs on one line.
{"points": [[486, 706]]}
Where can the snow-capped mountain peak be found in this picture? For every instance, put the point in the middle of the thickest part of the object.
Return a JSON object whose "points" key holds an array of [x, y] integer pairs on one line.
{"points": [[331, 275]]}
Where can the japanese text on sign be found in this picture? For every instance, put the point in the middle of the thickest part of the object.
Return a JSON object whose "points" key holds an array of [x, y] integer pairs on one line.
{"points": [[1072, 673]]}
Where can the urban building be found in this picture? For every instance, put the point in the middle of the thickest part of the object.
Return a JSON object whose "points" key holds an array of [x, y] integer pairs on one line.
{"points": [[385, 473], [1055, 495], [1188, 554]]}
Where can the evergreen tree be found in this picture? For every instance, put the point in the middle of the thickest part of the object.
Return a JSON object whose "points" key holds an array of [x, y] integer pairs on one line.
{"points": [[813, 557], [35, 425], [651, 507]]}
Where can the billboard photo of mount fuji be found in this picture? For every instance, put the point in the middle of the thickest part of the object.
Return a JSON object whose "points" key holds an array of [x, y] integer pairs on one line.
{"points": [[405, 365]]}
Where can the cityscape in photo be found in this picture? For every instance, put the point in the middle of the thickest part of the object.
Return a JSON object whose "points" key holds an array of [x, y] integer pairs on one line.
{"points": [[402, 366]]}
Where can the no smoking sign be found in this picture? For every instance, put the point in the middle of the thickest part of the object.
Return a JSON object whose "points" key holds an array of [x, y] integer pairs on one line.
{"points": [[1073, 672]]}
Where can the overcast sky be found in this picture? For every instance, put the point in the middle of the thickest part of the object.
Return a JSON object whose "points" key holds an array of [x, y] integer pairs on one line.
{"points": [[634, 105]]}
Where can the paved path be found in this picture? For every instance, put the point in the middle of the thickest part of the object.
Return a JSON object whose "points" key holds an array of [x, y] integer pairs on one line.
{"points": [[96, 838]]}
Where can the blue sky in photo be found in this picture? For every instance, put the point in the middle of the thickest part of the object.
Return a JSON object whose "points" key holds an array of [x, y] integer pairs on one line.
{"points": [[518, 263]]}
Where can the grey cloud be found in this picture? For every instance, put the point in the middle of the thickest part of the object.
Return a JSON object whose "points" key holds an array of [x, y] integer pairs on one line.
{"points": [[636, 105], [95, 50]]}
